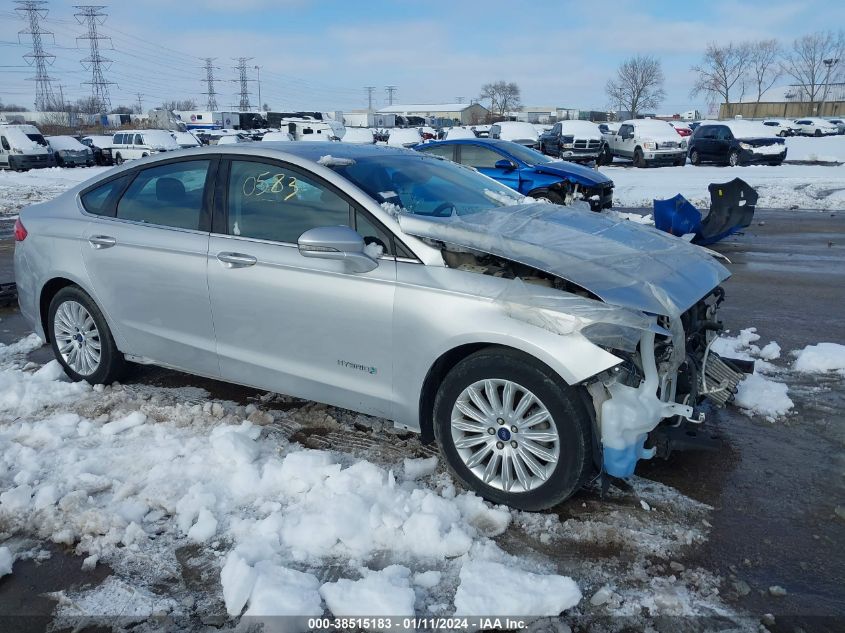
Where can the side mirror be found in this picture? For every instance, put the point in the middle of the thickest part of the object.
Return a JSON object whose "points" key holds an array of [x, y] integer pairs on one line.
{"points": [[505, 164], [337, 242]]}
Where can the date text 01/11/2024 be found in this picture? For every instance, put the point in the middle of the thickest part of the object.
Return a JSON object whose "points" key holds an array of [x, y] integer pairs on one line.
{"points": [[415, 624]]}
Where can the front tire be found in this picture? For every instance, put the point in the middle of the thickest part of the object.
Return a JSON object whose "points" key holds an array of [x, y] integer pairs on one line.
{"points": [[695, 157], [733, 158], [509, 429], [639, 159], [118, 159], [818, 133], [81, 339], [551, 196]]}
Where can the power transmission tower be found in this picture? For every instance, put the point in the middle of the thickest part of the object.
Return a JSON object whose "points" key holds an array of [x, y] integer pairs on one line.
{"points": [[390, 91], [92, 15], [211, 105], [244, 80], [459, 99], [140, 103], [33, 11], [369, 90]]}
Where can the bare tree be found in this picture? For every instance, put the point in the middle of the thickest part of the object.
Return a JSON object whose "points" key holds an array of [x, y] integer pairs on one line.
{"points": [[638, 84], [722, 68], [183, 104], [504, 96], [764, 65], [814, 62]]}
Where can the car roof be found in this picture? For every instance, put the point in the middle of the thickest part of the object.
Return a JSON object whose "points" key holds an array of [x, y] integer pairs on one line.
{"points": [[493, 142]]}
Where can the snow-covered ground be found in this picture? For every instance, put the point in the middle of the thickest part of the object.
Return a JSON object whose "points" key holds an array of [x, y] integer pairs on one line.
{"points": [[163, 483], [781, 187], [808, 148], [19, 189]]}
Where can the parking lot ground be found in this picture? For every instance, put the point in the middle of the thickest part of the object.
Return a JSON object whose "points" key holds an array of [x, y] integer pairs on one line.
{"points": [[774, 487]]}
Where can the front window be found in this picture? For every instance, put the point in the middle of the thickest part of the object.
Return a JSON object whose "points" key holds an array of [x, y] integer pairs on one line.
{"points": [[271, 202], [37, 138], [424, 185]]}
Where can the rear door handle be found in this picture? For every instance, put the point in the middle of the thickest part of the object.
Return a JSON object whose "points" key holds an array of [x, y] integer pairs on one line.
{"points": [[236, 260], [102, 241]]}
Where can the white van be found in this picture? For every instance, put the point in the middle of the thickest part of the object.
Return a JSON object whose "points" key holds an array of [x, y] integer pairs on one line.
{"points": [[133, 144], [24, 147]]}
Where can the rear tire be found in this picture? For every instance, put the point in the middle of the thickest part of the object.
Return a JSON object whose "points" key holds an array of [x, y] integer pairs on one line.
{"points": [[695, 157], [524, 473], [639, 159], [81, 339]]}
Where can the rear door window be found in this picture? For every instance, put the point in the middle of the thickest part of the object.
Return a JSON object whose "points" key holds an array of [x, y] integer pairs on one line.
{"points": [[139, 140], [167, 195]]}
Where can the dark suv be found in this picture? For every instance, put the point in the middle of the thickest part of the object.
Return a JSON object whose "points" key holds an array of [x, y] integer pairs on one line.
{"points": [[735, 143]]}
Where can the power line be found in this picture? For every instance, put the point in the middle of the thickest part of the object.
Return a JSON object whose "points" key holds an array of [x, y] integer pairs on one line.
{"points": [[244, 81], [369, 90], [209, 80], [390, 91], [34, 11], [93, 15]]}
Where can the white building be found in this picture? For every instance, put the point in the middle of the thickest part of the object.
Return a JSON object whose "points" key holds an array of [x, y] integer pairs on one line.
{"points": [[465, 113]]}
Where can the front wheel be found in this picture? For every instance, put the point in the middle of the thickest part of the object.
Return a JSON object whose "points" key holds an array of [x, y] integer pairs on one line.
{"points": [[509, 429], [818, 133], [81, 339], [118, 160], [551, 196], [639, 159], [733, 158]]}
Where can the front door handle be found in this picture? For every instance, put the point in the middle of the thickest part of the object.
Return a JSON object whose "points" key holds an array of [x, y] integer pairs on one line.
{"points": [[236, 260], [102, 241]]}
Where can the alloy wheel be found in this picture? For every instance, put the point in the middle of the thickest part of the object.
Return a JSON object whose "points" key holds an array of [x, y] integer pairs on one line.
{"points": [[505, 435], [77, 338]]}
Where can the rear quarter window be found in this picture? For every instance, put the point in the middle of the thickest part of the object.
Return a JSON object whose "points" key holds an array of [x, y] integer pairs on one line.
{"points": [[100, 200]]}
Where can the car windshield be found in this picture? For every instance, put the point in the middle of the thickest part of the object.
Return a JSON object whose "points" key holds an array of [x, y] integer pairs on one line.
{"points": [[425, 185], [527, 155], [37, 138]]}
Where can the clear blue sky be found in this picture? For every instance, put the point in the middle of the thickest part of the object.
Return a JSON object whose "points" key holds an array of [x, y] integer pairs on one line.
{"points": [[319, 54]]}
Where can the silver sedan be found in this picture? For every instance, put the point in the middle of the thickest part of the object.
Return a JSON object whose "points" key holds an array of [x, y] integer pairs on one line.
{"points": [[538, 344]]}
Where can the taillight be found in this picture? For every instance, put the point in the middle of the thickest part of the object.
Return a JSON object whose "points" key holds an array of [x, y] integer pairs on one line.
{"points": [[20, 231]]}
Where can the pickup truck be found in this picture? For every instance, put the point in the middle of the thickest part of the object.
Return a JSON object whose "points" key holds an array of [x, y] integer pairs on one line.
{"points": [[647, 142], [573, 140]]}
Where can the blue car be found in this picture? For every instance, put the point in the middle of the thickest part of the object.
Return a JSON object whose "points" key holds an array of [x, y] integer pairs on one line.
{"points": [[527, 170]]}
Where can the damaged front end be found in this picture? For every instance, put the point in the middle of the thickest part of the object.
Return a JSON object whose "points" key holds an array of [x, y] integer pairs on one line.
{"points": [[648, 298]]}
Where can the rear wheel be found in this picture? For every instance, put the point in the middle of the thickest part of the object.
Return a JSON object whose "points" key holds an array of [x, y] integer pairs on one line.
{"points": [[81, 339], [695, 157], [510, 430], [733, 158], [639, 159], [680, 162]]}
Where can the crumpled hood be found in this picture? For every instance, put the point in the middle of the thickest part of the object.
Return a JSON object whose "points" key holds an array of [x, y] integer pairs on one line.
{"points": [[577, 173], [623, 263]]}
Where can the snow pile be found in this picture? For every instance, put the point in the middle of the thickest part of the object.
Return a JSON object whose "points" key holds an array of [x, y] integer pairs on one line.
{"points": [[385, 592], [781, 187], [7, 559], [18, 190], [519, 592], [823, 149], [647, 219], [128, 479], [756, 394], [820, 358]]}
